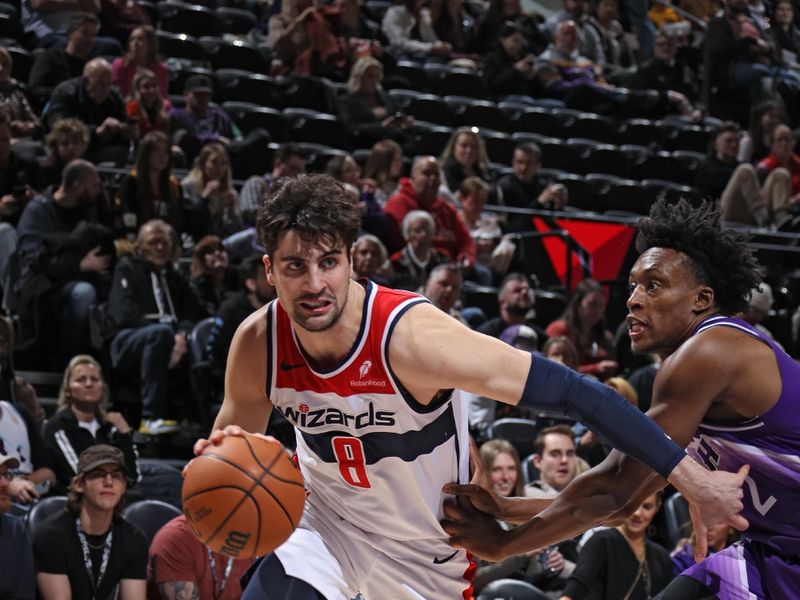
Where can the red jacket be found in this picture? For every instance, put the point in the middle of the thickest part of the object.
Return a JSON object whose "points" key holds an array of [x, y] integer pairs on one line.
{"points": [[770, 163], [451, 238]]}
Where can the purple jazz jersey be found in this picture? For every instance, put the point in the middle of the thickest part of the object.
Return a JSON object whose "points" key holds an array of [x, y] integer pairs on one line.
{"points": [[766, 564]]}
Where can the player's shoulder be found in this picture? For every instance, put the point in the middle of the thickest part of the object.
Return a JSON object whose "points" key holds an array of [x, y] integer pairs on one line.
{"points": [[249, 342]]}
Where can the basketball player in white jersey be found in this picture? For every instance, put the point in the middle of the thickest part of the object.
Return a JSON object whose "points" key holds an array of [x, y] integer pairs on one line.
{"points": [[367, 375]]}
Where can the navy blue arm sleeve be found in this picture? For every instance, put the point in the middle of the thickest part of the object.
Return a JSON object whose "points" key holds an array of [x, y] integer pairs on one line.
{"points": [[556, 388]]}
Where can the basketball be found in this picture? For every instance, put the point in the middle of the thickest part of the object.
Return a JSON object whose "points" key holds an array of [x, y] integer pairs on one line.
{"points": [[244, 497]]}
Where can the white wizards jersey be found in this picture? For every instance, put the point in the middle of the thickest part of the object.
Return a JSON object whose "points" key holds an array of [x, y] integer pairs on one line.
{"points": [[367, 449]]}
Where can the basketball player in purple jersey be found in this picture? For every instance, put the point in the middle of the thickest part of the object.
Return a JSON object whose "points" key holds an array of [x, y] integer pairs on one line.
{"points": [[368, 376], [725, 391]]}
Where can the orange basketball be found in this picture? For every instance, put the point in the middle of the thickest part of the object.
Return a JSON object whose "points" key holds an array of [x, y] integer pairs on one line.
{"points": [[244, 497]]}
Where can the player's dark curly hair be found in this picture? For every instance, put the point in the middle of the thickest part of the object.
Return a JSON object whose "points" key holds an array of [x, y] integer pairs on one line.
{"points": [[720, 258], [316, 206]]}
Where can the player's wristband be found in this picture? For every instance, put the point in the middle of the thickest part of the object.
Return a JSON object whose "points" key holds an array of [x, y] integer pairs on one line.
{"points": [[556, 388]]}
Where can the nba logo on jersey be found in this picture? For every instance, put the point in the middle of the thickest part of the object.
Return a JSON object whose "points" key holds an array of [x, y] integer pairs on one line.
{"points": [[364, 368]]}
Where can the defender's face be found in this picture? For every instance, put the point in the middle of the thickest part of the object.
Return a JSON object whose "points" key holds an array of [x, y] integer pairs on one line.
{"points": [[312, 279], [662, 301]]}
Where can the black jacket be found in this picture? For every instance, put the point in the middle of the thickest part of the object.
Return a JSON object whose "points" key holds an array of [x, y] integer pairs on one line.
{"points": [[65, 440], [132, 302]]}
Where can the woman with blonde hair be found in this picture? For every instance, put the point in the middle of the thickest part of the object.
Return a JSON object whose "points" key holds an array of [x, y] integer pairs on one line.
{"points": [[142, 53], [464, 156], [367, 111], [83, 420], [209, 194]]}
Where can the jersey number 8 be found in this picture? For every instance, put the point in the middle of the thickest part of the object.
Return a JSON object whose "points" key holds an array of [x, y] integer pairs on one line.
{"points": [[349, 452]]}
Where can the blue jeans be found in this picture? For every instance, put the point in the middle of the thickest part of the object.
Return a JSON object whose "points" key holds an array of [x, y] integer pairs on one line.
{"points": [[77, 298], [145, 351], [752, 75]]}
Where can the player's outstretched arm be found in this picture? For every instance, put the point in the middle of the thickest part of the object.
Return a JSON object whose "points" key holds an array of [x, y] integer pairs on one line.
{"points": [[614, 489], [245, 406], [431, 351]]}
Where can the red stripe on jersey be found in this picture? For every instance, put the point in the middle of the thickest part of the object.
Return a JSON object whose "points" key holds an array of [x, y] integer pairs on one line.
{"points": [[469, 574], [363, 372]]}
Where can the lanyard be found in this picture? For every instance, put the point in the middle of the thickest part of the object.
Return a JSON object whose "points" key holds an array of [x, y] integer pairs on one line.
{"points": [[213, 564], [87, 557]]}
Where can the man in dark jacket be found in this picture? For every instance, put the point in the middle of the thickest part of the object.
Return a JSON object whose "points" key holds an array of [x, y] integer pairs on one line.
{"points": [[151, 309], [64, 258], [92, 99]]}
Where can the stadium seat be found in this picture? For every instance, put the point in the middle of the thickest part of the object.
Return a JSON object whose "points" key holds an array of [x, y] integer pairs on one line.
{"points": [[627, 197], [320, 158], [521, 137], [689, 160], [320, 129], [248, 117], [182, 46], [556, 154], [430, 138], [22, 62], [408, 75], [198, 337], [550, 306], [594, 127], [234, 20], [226, 54], [511, 589], [402, 97], [43, 510], [676, 517], [600, 183], [480, 113], [538, 120], [430, 108], [529, 471], [608, 159], [309, 92], [241, 86], [660, 165], [10, 30], [679, 135], [159, 481], [499, 146], [520, 433], [484, 297], [582, 196], [642, 132], [550, 175], [150, 516], [450, 81], [191, 19]]}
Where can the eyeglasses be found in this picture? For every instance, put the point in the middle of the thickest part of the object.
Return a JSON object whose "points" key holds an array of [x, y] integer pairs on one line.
{"points": [[116, 474]]}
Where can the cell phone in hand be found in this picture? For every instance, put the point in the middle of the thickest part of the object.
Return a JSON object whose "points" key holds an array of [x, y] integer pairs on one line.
{"points": [[43, 487]]}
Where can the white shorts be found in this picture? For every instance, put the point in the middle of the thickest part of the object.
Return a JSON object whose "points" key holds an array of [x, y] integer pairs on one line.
{"points": [[341, 561]]}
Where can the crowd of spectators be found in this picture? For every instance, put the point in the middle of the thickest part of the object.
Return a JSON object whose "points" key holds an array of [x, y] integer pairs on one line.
{"points": [[130, 185]]}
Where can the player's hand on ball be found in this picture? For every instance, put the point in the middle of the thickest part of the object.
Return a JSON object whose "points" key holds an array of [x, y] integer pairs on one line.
{"points": [[473, 530], [218, 435]]}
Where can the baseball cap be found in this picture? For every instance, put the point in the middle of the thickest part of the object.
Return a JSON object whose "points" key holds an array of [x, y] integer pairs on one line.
{"points": [[198, 83], [520, 336], [98, 455], [10, 461]]}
